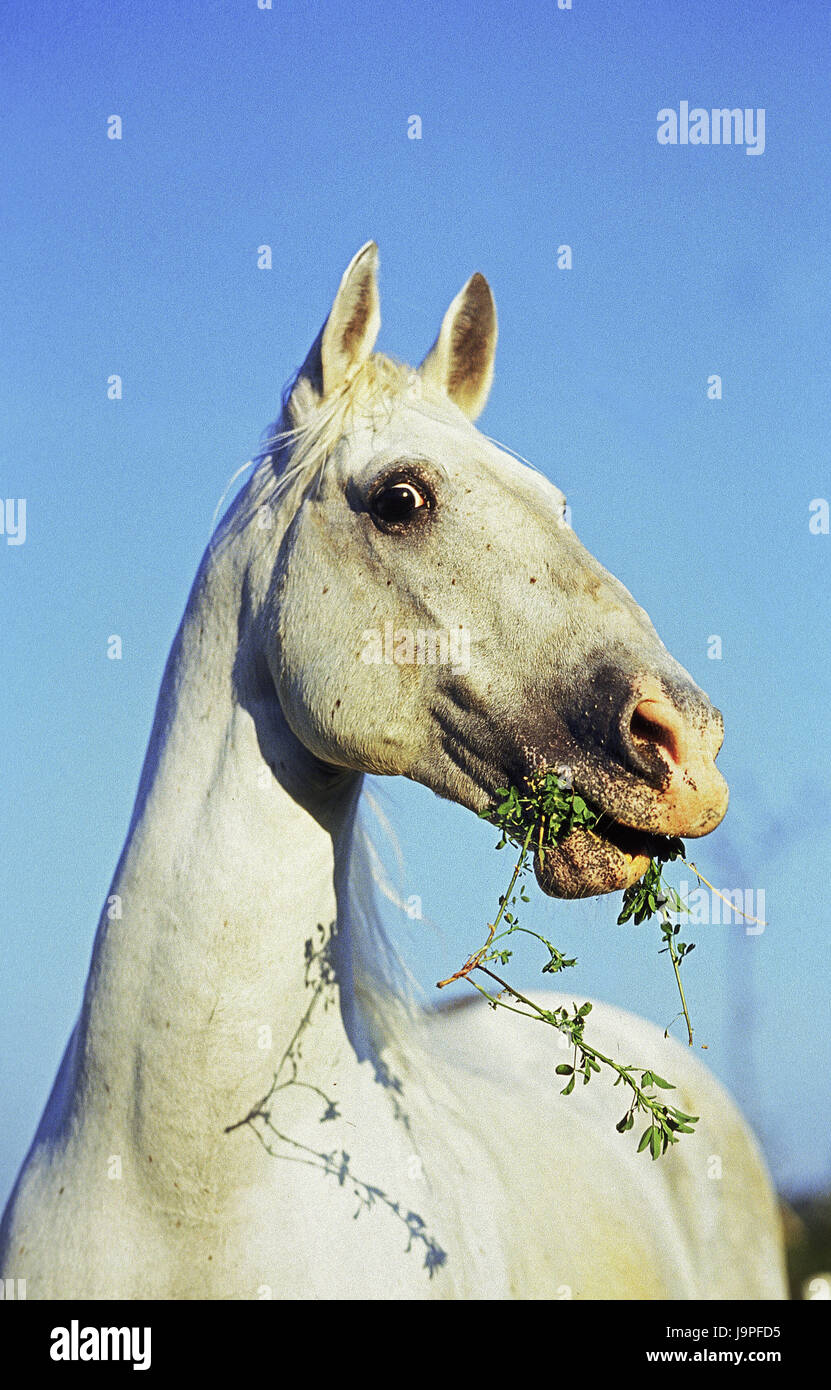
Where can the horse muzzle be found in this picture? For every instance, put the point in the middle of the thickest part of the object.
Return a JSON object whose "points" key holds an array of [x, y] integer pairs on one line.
{"points": [[662, 783]]}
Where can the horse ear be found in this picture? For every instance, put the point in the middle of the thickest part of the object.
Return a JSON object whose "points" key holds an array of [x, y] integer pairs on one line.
{"points": [[348, 335], [460, 362]]}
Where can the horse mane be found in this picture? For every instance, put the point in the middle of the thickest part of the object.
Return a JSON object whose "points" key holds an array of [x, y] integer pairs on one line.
{"points": [[295, 448], [383, 981], [314, 427], [289, 463]]}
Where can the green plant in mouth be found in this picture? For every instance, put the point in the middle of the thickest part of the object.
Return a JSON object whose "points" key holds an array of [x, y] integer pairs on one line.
{"points": [[650, 895], [533, 820]]}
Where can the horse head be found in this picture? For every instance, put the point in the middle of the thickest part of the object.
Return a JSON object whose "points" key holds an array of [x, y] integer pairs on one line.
{"points": [[430, 613]]}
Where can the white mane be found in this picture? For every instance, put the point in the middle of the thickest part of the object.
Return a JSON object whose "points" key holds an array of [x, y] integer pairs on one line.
{"points": [[296, 447]]}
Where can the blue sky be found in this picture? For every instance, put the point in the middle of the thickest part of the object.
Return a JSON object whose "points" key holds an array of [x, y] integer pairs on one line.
{"points": [[288, 126]]}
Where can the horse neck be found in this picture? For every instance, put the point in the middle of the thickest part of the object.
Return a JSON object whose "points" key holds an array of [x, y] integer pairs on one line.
{"points": [[236, 858]]}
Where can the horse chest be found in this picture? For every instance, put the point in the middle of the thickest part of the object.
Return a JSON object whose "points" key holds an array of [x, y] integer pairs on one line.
{"points": [[364, 1204]]}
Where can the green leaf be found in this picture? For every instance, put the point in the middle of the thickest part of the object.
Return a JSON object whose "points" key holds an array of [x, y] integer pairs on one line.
{"points": [[645, 1138], [567, 1090], [659, 1081], [564, 1069]]}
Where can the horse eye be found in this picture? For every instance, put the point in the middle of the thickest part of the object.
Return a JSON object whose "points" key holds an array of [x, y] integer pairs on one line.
{"points": [[398, 503]]}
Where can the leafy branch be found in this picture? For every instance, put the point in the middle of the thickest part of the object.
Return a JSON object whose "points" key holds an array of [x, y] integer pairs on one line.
{"points": [[533, 820]]}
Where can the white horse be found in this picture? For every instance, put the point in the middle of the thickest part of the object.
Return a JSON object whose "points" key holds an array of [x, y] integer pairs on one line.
{"points": [[251, 1104]]}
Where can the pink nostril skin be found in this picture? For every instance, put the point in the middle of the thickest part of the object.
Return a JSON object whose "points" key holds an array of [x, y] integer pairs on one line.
{"points": [[657, 722], [691, 793]]}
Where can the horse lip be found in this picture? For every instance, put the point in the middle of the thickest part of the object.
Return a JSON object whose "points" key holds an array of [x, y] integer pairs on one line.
{"points": [[604, 859], [611, 826], [624, 801], [633, 840]]}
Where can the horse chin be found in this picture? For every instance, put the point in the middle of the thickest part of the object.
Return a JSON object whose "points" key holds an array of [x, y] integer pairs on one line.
{"points": [[585, 864]]}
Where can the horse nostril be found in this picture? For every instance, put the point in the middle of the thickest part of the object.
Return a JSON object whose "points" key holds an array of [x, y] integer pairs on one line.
{"points": [[657, 722]]}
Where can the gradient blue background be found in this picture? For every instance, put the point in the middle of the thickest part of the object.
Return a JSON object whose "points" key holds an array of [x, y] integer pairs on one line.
{"points": [[289, 127]]}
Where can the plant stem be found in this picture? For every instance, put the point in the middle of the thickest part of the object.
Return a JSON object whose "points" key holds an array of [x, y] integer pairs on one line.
{"points": [[623, 1072], [472, 961], [731, 905], [673, 955]]}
